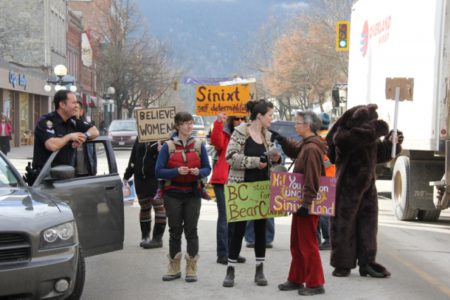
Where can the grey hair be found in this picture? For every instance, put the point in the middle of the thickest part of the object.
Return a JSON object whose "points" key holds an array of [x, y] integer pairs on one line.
{"points": [[312, 119]]}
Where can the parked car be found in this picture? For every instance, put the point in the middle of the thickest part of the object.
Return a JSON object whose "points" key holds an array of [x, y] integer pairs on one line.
{"points": [[199, 128], [286, 129], [123, 133], [47, 230]]}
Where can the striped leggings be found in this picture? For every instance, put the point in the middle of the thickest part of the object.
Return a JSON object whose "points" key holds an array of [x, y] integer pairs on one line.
{"points": [[146, 202]]}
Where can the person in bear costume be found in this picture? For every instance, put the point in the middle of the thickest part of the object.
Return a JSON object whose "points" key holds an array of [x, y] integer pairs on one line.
{"points": [[355, 147]]}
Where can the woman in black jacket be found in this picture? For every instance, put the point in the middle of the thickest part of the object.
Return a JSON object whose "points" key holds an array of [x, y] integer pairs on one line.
{"points": [[142, 166]]}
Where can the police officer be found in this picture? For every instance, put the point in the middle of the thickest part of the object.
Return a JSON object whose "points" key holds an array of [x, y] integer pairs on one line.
{"points": [[59, 130]]}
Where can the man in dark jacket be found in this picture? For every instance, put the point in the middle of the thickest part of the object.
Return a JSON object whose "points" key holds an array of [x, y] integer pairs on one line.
{"points": [[142, 166]]}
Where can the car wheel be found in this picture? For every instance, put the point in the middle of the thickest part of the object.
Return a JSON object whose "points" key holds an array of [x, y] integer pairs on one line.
{"points": [[79, 279]]}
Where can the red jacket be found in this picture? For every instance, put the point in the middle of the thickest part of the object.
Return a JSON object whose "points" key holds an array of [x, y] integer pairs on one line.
{"points": [[8, 128], [220, 138]]}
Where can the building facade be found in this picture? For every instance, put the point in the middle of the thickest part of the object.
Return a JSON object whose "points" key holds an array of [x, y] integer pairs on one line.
{"points": [[22, 99], [32, 42]]}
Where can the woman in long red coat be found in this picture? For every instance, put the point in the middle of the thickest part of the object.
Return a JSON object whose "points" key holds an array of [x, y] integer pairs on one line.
{"points": [[220, 137]]}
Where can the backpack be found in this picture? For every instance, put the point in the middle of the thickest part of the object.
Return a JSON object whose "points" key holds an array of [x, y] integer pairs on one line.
{"points": [[172, 148]]}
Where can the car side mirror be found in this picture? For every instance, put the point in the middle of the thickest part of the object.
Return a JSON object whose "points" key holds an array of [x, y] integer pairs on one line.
{"points": [[62, 172]]}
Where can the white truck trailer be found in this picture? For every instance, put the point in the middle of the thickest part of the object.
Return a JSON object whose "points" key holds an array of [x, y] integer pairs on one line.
{"points": [[408, 39]]}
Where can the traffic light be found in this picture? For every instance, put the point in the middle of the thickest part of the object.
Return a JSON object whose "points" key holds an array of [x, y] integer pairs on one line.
{"points": [[342, 35]]}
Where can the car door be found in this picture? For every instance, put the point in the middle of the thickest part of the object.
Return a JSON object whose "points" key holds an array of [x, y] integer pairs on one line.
{"points": [[96, 200]]}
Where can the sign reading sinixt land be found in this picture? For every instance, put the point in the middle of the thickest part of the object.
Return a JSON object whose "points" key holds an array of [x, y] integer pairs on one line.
{"points": [[214, 99], [155, 124]]}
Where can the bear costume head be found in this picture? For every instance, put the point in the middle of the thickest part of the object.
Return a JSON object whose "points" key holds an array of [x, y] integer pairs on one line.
{"points": [[361, 117]]}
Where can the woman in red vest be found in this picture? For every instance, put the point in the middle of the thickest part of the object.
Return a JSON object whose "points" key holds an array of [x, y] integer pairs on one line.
{"points": [[182, 163], [220, 137]]}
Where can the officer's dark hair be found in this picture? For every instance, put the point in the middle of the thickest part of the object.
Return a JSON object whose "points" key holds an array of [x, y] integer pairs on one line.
{"points": [[310, 118], [261, 106], [60, 95], [182, 117]]}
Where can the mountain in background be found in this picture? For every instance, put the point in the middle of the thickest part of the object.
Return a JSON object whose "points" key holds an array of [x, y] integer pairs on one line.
{"points": [[209, 37]]}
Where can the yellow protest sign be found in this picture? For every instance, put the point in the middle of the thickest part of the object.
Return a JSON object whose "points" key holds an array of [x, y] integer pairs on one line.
{"points": [[214, 99], [155, 124]]}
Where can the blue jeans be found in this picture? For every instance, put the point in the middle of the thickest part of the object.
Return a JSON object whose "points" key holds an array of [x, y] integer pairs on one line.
{"points": [[323, 229], [270, 231], [223, 229]]}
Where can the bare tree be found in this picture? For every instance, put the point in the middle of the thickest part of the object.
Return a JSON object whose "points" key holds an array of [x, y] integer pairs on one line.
{"points": [[135, 64], [304, 64]]}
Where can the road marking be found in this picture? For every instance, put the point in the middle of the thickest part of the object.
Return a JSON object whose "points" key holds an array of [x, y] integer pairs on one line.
{"points": [[422, 274]]}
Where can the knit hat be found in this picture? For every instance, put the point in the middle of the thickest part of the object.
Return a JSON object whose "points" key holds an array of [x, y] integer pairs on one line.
{"points": [[325, 121]]}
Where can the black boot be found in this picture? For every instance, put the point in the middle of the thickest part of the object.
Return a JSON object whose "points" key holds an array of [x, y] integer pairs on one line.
{"points": [[145, 233], [229, 278], [260, 279], [156, 242]]}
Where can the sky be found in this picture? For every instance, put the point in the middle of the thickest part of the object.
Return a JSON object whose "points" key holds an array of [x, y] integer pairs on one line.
{"points": [[209, 37]]}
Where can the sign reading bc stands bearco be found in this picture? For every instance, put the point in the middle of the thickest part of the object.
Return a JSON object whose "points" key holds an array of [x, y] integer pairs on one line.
{"points": [[155, 124], [248, 201], [286, 194], [214, 99]]}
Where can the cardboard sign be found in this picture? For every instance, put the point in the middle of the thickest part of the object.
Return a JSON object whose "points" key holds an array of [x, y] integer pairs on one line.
{"points": [[214, 99], [406, 86], [155, 124], [286, 194], [248, 201]]}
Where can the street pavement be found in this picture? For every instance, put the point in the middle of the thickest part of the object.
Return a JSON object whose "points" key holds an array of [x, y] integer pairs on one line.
{"points": [[416, 253]]}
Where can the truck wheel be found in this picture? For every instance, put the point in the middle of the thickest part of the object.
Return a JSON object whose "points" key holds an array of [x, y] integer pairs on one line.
{"points": [[401, 190], [79, 279], [429, 215]]}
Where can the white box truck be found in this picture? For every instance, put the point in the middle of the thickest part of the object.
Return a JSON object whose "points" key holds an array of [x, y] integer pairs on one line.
{"points": [[408, 39]]}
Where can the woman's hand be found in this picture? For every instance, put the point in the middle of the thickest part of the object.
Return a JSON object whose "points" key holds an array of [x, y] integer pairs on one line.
{"points": [[183, 170], [275, 158], [221, 117], [194, 171], [262, 165]]}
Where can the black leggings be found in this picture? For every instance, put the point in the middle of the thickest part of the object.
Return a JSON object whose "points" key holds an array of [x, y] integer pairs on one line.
{"points": [[238, 235]]}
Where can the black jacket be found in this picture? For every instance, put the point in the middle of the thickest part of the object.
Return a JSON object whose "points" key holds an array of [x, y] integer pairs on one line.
{"points": [[142, 166]]}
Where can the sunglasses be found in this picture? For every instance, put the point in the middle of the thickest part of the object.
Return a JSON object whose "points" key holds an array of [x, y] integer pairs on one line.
{"points": [[239, 119]]}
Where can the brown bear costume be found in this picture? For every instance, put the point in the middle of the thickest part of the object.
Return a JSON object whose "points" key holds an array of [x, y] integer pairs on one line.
{"points": [[355, 147]]}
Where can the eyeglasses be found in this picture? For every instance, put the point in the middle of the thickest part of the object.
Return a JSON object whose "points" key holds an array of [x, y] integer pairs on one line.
{"points": [[239, 119], [300, 123]]}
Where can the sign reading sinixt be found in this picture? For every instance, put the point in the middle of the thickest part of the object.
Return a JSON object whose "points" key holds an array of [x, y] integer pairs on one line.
{"points": [[214, 99], [155, 124]]}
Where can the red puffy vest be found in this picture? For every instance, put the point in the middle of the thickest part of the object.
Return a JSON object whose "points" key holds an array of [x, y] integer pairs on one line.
{"points": [[183, 156]]}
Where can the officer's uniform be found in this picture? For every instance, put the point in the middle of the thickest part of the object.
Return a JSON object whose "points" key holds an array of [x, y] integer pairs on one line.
{"points": [[51, 125]]}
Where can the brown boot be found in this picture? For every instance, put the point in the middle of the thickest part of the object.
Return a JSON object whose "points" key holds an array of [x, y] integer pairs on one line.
{"points": [[173, 271], [191, 268]]}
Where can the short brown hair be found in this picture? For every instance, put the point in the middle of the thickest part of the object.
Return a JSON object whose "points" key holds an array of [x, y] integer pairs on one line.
{"points": [[182, 117]]}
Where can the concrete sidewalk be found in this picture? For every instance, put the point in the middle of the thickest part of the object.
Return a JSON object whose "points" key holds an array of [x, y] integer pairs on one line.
{"points": [[22, 152]]}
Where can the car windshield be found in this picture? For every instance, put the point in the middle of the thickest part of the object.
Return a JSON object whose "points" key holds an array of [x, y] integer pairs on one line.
{"points": [[198, 121], [7, 176], [123, 126]]}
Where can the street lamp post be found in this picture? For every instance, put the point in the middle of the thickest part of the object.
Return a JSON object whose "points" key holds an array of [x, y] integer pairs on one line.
{"points": [[109, 105], [60, 81]]}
